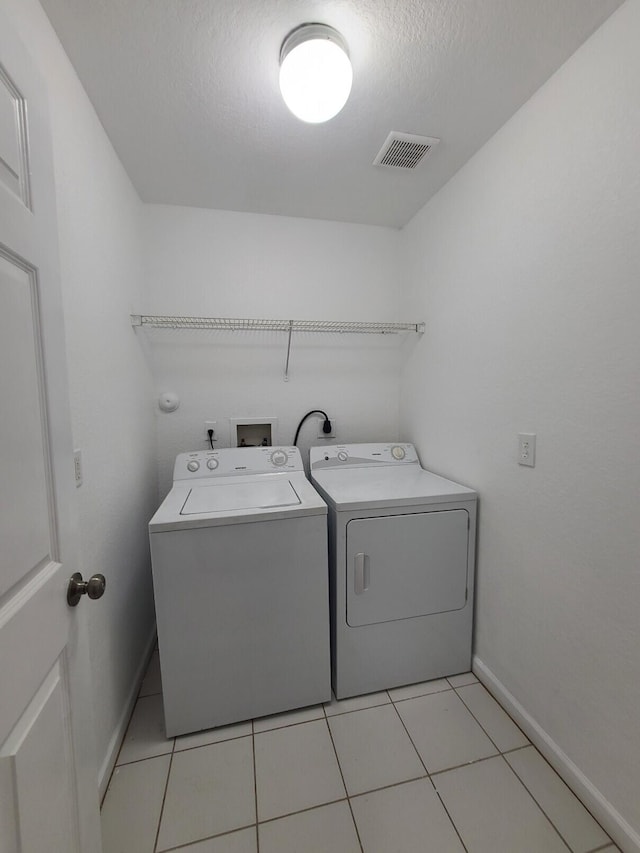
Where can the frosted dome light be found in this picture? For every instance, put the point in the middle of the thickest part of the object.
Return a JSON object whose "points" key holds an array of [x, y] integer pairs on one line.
{"points": [[315, 72]]}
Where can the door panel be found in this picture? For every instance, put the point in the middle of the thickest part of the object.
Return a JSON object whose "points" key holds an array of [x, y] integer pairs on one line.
{"points": [[48, 777], [40, 603], [14, 170], [36, 765], [24, 471], [401, 566]]}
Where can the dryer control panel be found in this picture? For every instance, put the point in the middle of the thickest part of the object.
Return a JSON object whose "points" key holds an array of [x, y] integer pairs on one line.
{"points": [[234, 461], [362, 455]]}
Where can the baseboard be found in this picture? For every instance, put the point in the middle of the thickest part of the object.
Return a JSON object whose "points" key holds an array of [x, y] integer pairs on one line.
{"points": [[123, 721], [624, 835]]}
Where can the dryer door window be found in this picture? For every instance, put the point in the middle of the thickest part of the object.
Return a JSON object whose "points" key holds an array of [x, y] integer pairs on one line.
{"points": [[402, 566]]}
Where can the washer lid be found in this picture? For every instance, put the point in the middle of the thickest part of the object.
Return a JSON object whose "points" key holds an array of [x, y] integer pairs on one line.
{"points": [[237, 500], [228, 496]]}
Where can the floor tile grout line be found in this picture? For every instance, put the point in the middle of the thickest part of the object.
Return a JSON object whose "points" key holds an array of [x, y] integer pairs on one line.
{"points": [[344, 784], [212, 743], [402, 722], [355, 710], [515, 749], [465, 764], [462, 686], [421, 695], [609, 843], [533, 796], [238, 737], [255, 782], [455, 828], [119, 763], [519, 749], [499, 706], [424, 776], [480, 724], [406, 781], [468, 684], [555, 828], [302, 811], [164, 797], [115, 763], [224, 834], [553, 770], [169, 751], [289, 725]]}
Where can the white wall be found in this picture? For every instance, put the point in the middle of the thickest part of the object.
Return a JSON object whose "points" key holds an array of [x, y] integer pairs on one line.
{"points": [[110, 385], [222, 264], [526, 267]]}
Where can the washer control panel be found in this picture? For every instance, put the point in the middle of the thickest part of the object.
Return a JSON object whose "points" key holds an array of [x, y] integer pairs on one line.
{"points": [[235, 461], [362, 455]]}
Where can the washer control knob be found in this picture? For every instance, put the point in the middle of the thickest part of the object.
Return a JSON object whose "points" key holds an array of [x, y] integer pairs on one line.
{"points": [[343, 455], [398, 452], [193, 465], [279, 457], [212, 464]]}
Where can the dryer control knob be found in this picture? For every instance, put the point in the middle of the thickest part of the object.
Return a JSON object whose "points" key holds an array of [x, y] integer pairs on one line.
{"points": [[212, 464], [279, 457], [398, 452], [193, 465], [343, 455]]}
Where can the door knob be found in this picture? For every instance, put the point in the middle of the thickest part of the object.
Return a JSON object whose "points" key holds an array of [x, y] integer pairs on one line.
{"points": [[94, 588]]}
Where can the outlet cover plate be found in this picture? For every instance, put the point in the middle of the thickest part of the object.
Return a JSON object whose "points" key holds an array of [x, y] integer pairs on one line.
{"points": [[527, 449], [207, 426], [77, 467], [327, 435]]}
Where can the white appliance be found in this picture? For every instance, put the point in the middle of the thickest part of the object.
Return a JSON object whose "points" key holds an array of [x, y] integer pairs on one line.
{"points": [[239, 557], [401, 557]]}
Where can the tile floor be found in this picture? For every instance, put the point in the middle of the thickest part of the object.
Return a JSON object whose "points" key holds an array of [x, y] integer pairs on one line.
{"points": [[435, 767]]}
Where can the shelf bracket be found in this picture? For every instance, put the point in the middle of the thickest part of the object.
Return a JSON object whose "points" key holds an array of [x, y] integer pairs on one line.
{"points": [[286, 366]]}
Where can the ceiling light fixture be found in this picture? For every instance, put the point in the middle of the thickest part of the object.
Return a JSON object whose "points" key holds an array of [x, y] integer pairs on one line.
{"points": [[315, 72]]}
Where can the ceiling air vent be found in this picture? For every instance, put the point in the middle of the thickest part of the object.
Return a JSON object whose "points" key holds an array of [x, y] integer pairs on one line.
{"points": [[404, 150]]}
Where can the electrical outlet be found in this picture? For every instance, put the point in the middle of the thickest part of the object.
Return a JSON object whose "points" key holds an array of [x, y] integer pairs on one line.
{"points": [[326, 435], [77, 466], [207, 426], [527, 449]]}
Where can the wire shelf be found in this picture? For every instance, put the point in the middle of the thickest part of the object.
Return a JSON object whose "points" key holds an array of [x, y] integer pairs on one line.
{"points": [[234, 324], [238, 324]]}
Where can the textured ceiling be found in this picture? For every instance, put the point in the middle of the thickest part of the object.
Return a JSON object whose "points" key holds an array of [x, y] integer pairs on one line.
{"points": [[188, 92]]}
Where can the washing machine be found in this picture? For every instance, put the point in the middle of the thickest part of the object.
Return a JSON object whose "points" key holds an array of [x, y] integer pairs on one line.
{"points": [[401, 557], [239, 562]]}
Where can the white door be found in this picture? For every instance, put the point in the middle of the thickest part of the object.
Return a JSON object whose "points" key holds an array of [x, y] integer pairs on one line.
{"points": [[48, 779]]}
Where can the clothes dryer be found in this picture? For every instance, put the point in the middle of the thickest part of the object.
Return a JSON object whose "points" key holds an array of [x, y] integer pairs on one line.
{"points": [[401, 557], [239, 561]]}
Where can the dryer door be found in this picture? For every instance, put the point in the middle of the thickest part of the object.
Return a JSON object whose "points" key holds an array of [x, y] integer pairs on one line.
{"points": [[402, 566]]}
